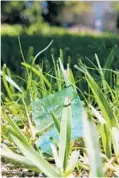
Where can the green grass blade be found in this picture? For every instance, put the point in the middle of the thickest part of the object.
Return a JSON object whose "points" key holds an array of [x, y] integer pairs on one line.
{"points": [[22, 54], [111, 120], [64, 73], [29, 119], [37, 72], [57, 73], [28, 151], [10, 81], [59, 76], [100, 99], [71, 78], [42, 51], [56, 122], [65, 133], [92, 146], [7, 88], [56, 156], [8, 72], [35, 158], [101, 73], [21, 49], [18, 160], [109, 61], [106, 140], [61, 56], [97, 114], [115, 134]]}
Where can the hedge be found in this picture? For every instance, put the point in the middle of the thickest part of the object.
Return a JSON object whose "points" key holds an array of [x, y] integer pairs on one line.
{"points": [[74, 47]]}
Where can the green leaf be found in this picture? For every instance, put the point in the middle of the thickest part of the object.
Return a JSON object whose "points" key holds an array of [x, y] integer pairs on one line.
{"points": [[65, 133], [109, 61], [42, 51], [37, 72], [100, 99], [10, 81], [58, 75], [7, 88], [56, 122], [107, 112], [106, 140], [100, 70], [90, 136], [29, 152], [115, 135], [18, 160]]}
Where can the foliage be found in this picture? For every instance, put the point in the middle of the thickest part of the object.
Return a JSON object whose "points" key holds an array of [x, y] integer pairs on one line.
{"points": [[15, 12], [101, 104], [53, 10], [75, 47], [77, 7], [29, 12], [116, 6]]}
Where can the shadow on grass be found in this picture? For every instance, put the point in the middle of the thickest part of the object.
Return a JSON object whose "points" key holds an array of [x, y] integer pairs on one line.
{"points": [[74, 47]]}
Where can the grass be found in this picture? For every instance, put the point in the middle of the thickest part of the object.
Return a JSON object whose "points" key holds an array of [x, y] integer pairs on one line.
{"points": [[97, 152], [75, 46]]}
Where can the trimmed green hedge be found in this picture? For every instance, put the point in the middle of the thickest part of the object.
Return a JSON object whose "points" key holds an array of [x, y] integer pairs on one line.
{"points": [[74, 46]]}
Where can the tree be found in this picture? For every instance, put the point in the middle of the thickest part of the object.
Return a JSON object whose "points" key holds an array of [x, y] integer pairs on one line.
{"points": [[116, 8], [20, 12], [53, 10]]}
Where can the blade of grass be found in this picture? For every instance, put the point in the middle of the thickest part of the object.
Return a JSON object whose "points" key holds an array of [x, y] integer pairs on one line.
{"points": [[56, 122], [10, 76], [101, 73], [64, 72], [22, 52], [106, 140], [29, 119], [61, 56], [10, 81], [109, 61], [100, 99], [72, 162], [28, 151], [71, 78], [37, 72], [6, 84], [106, 110], [98, 115], [115, 133], [90, 137], [59, 75], [42, 51], [18, 160], [56, 156], [65, 133]]}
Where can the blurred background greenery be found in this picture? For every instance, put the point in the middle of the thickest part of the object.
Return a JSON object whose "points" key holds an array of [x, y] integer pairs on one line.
{"points": [[80, 29]]}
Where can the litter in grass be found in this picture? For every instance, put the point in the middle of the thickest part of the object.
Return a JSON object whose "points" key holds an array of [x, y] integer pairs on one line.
{"points": [[42, 109]]}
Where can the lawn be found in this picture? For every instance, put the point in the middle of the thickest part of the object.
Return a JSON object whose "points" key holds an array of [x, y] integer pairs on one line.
{"points": [[61, 120], [75, 46]]}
